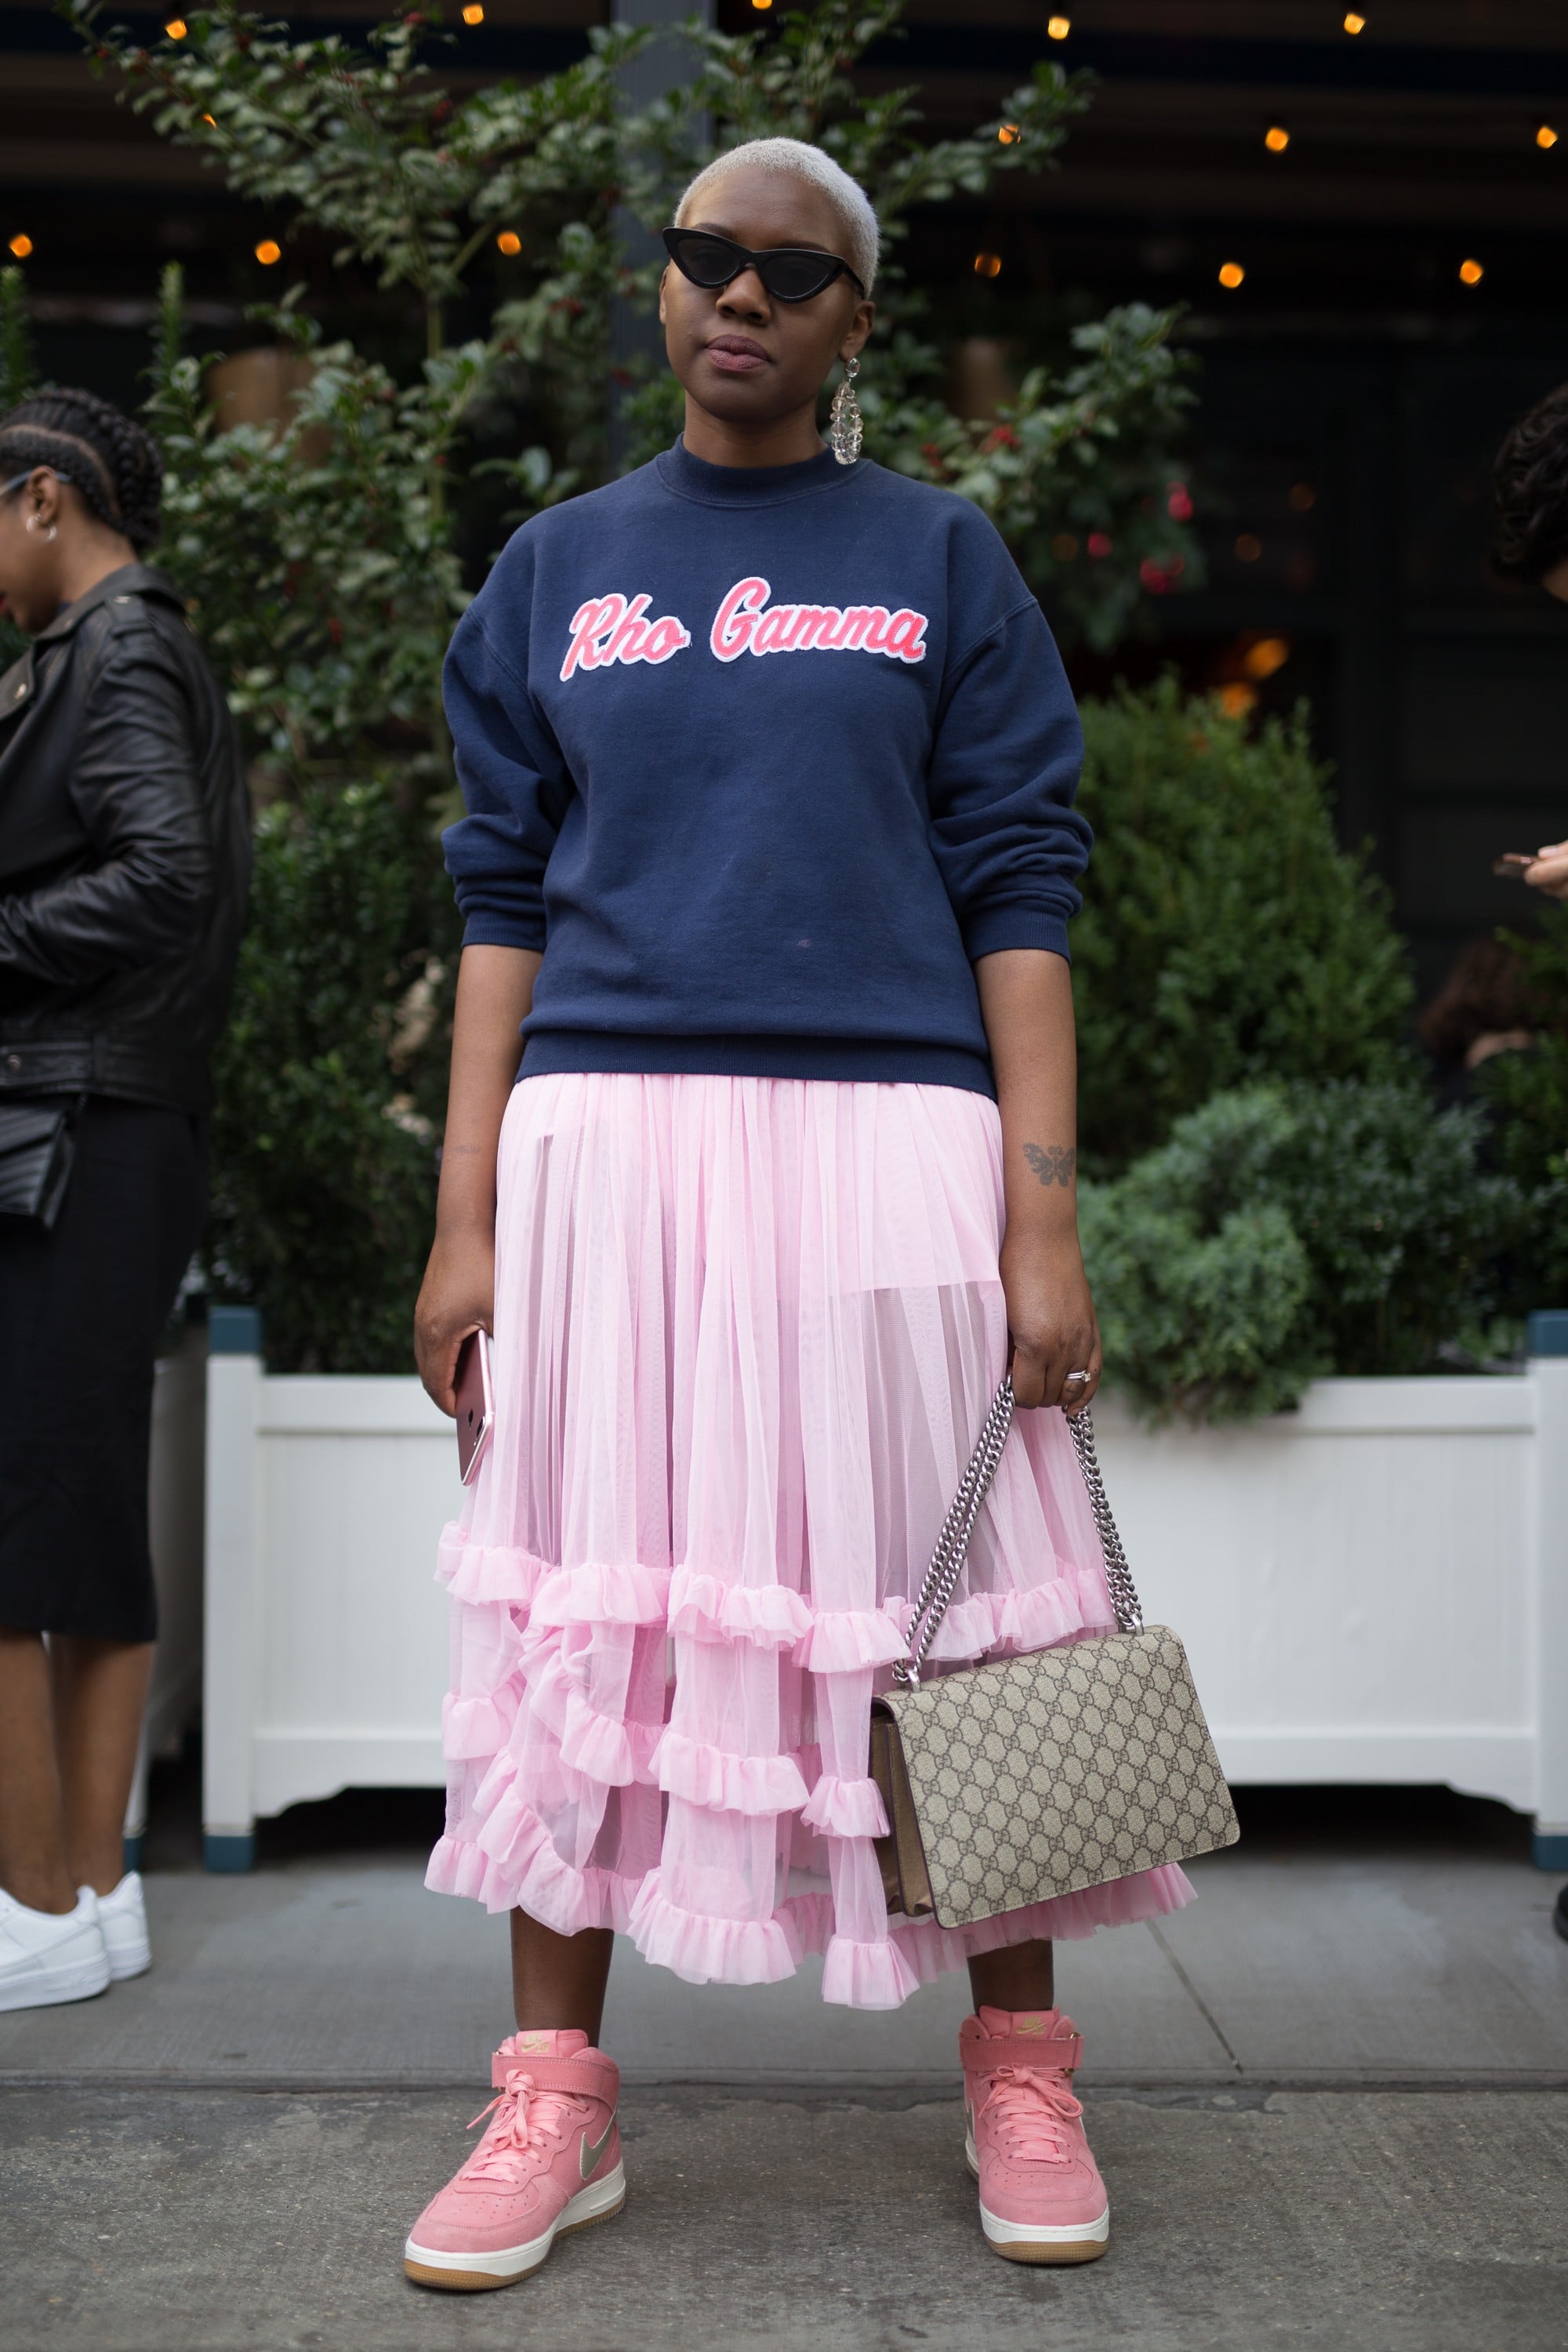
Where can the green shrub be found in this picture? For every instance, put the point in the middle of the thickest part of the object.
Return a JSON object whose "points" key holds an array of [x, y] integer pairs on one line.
{"points": [[1287, 1232], [330, 1082], [1225, 936]]}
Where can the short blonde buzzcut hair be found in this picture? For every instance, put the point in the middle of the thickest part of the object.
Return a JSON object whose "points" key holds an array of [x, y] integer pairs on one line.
{"points": [[794, 159]]}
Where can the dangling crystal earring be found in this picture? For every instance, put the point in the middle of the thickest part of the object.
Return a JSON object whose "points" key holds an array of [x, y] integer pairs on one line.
{"points": [[38, 533], [846, 426]]}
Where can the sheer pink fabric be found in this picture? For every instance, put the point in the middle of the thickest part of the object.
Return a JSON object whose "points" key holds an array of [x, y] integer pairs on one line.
{"points": [[746, 1329]]}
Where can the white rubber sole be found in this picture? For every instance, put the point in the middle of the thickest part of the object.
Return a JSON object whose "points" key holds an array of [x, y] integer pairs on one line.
{"points": [[129, 1959], [78, 1979], [1019, 2241], [503, 2266]]}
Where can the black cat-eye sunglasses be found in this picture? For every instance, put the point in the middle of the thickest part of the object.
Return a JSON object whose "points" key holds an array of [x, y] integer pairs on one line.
{"points": [[792, 273]]}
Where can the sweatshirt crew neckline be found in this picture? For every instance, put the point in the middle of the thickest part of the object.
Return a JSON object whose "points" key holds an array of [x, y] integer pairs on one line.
{"points": [[750, 485]]}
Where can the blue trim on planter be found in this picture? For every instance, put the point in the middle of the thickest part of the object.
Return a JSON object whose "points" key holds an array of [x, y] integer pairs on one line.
{"points": [[131, 1850], [1550, 1853], [1546, 1332], [228, 1853], [234, 1330]]}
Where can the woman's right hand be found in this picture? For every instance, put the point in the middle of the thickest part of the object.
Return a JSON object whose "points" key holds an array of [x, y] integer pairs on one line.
{"points": [[458, 1296], [1549, 871]]}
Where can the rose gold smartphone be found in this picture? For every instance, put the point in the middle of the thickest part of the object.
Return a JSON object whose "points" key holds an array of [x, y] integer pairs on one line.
{"points": [[475, 1404], [1514, 864]]}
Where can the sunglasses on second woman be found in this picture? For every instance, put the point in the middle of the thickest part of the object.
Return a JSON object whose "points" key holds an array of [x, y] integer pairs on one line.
{"points": [[791, 273]]}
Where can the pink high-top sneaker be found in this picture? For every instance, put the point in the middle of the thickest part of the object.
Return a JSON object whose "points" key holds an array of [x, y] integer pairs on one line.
{"points": [[549, 2162], [1041, 2196]]}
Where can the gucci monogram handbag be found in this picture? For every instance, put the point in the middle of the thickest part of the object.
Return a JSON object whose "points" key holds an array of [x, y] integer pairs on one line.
{"points": [[1009, 1783]]}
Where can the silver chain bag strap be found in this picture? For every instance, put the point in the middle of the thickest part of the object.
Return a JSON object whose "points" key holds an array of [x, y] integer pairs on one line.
{"points": [[1009, 1783]]}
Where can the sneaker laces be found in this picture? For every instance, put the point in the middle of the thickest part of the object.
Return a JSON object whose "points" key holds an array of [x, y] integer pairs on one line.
{"points": [[526, 2120], [1029, 2108]]}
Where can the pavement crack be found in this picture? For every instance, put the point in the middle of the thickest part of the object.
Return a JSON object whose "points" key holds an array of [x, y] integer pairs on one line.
{"points": [[1195, 1996]]}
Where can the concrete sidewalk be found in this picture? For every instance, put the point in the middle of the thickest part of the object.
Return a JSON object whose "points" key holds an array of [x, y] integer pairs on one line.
{"points": [[1329, 2100]]}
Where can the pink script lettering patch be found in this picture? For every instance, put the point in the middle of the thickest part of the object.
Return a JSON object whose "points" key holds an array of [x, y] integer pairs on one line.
{"points": [[613, 628], [746, 622], [608, 629]]}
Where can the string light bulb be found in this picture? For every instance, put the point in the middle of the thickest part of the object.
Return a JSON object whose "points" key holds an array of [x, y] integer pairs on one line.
{"points": [[988, 265], [1355, 24], [1470, 273], [474, 14], [1009, 134], [268, 251], [1231, 274], [509, 242], [1277, 138], [176, 28], [211, 122], [1058, 28], [761, 4], [1262, 659], [21, 245], [1546, 136]]}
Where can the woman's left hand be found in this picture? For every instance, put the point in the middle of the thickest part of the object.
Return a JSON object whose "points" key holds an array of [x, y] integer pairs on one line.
{"points": [[1050, 1318]]}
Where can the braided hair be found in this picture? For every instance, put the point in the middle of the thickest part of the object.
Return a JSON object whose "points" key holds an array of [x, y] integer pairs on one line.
{"points": [[1531, 490], [92, 445]]}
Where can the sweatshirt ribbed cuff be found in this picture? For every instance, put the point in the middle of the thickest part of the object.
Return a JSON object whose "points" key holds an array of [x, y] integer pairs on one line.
{"points": [[491, 930], [994, 928]]}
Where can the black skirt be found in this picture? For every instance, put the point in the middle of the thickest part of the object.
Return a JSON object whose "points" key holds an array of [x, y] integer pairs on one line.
{"points": [[81, 1310]]}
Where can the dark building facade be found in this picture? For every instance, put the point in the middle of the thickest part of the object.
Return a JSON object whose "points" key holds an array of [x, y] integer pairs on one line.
{"points": [[1369, 229]]}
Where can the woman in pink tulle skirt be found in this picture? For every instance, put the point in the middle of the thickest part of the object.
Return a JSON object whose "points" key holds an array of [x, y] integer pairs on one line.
{"points": [[770, 852]]}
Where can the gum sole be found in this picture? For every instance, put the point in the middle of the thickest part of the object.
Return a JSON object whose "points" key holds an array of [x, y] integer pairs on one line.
{"points": [[1085, 2249], [484, 2281]]}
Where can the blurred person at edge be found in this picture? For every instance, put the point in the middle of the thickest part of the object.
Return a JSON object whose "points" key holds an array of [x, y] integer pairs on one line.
{"points": [[1485, 1007], [125, 861], [1530, 486], [1532, 547]]}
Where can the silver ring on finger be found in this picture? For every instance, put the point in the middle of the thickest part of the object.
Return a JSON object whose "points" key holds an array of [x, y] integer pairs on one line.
{"points": [[1077, 1376]]}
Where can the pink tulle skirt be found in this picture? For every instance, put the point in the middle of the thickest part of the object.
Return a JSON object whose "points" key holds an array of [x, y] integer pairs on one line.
{"points": [[746, 1331]]}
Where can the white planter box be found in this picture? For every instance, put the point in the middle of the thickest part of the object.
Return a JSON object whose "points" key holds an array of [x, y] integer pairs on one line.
{"points": [[1374, 1589]]}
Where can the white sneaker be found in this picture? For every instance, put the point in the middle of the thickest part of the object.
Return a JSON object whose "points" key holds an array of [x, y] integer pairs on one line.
{"points": [[47, 1955], [123, 1915]]}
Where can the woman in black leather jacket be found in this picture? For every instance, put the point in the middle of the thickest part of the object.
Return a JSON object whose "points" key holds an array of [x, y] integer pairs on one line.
{"points": [[124, 858]]}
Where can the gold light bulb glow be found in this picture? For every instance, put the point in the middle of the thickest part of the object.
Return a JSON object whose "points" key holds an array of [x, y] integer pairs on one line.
{"points": [[268, 251], [1546, 136], [1231, 274], [474, 15], [1470, 273], [176, 28], [988, 265], [21, 245], [1058, 28], [509, 241], [1355, 24], [1009, 134], [1277, 138], [1269, 654]]}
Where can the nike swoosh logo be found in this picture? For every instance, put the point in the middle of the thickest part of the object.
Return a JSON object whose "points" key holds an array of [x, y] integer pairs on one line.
{"points": [[591, 2151]]}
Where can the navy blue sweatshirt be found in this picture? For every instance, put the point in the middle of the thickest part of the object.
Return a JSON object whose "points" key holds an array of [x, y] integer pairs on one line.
{"points": [[762, 759]]}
